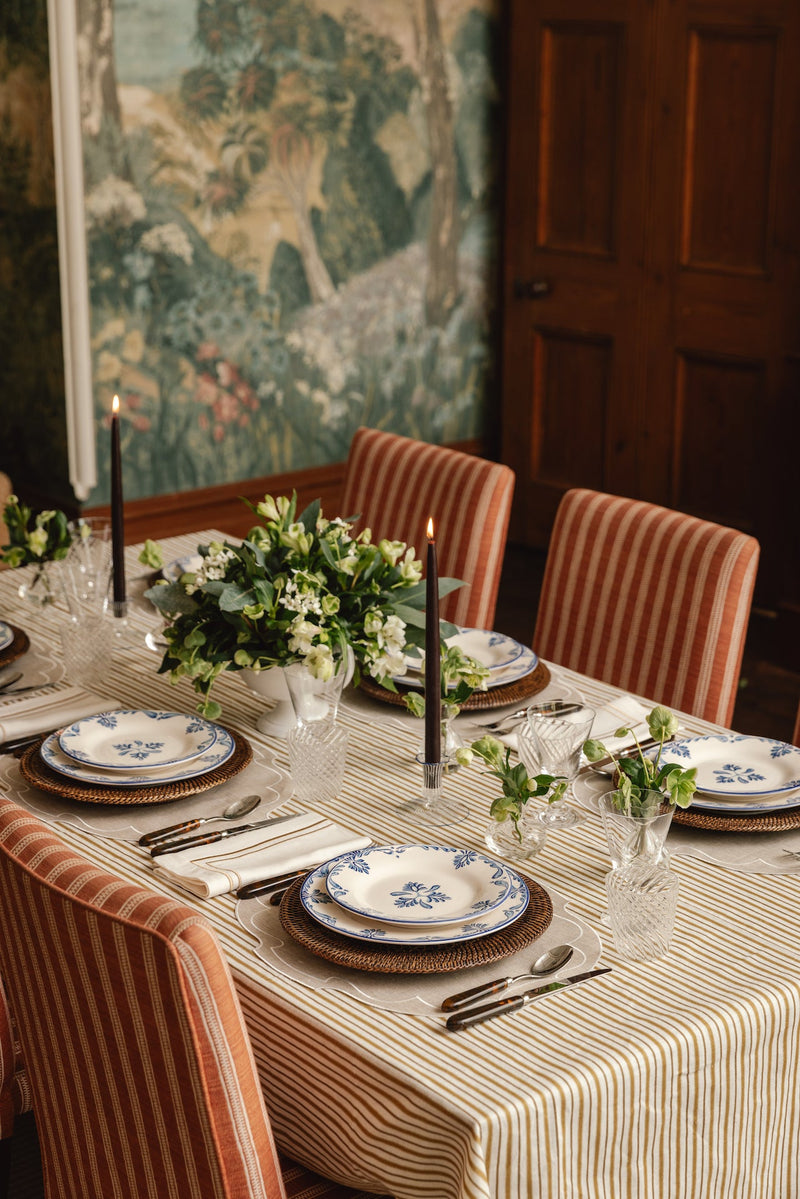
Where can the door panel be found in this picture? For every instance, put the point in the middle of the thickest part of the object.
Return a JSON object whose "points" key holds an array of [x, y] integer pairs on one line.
{"points": [[575, 217], [653, 235]]}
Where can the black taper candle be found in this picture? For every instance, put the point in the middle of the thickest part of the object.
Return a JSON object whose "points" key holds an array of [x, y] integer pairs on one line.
{"points": [[433, 666], [117, 513]]}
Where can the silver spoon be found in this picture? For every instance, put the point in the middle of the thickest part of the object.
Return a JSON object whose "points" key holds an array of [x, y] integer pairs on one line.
{"points": [[239, 807], [9, 682], [548, 963]]}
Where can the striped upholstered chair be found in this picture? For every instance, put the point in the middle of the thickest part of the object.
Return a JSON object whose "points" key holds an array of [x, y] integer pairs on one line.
{"points": [[15, 1092], [648, 599], [142, 1074], [395, 483]]}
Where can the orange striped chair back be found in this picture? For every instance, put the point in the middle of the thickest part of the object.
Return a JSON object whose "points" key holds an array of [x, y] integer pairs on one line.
{"points": [[393, 484], [142, 1075], [648, 599]]}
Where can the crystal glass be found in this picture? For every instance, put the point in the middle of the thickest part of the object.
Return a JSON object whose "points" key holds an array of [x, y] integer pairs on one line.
{"points": [[551, 743], [630, 836], [86, 572], [641, 889], [642, 900], [317, 760], [313, 699]]}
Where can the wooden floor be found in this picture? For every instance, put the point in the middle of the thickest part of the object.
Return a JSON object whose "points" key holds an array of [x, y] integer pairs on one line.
{"points": [[766, 707], [768, 697]]}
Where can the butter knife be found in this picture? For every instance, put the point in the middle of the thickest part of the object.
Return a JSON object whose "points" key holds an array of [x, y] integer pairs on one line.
{"points": [[514, 1002], [220, 835]]}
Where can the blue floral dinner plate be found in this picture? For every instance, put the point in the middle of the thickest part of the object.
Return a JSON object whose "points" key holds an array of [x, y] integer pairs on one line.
{"points": [[321, 907], [736, 767], [127, 738], [6, 635], [418, 885], [218, 753]]}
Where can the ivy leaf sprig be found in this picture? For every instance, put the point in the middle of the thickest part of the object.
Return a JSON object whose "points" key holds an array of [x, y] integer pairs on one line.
{"points": [[517, 785], [638, 775]]}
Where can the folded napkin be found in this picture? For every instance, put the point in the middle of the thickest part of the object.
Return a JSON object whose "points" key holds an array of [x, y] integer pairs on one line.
{"points": [[624, 712], [304, 841], [50, 710]]}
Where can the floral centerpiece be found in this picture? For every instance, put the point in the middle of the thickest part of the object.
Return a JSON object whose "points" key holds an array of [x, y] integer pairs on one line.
{"points": [[643, 781], [297, 589]]}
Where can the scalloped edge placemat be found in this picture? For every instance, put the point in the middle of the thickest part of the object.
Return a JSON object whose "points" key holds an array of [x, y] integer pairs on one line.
{"points": [[394, 959], [497, 697], [19, 646], [768, 822], [37, 772]]}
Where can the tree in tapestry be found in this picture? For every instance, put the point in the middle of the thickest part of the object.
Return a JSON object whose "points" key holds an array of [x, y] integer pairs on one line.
{"points": [[288, 208]]}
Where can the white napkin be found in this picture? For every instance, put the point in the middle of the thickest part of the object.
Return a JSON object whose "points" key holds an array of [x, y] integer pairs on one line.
{"points": [[624, 712], [36, 713], [306, 840]]}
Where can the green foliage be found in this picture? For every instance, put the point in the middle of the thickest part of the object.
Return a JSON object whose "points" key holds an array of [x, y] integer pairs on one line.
{"points": [[640, 776], [43, 537], [517, 785]]}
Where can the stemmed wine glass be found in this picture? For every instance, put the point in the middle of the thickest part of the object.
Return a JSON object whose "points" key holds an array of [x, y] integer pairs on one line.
{"points": [[551, 743]]}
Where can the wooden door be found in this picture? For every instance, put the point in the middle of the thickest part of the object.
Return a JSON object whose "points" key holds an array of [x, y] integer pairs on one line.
{"points": [[651, 282]]}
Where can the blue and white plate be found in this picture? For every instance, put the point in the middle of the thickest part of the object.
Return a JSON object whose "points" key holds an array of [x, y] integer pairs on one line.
{"points": [[418, 885], [507, 660], [219, 752], [737, 767], [129, 738], [319, 905], [6, 635]]}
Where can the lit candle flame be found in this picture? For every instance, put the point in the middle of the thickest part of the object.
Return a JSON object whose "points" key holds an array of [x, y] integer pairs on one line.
{"points": [[115, 405], [430, 528]]}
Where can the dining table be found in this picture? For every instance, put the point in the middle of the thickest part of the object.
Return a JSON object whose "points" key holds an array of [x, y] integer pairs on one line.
{"points": [[673, 1077]]}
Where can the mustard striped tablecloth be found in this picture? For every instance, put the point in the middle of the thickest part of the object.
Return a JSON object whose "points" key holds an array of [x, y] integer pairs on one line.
{"points": [[671, 1080]]}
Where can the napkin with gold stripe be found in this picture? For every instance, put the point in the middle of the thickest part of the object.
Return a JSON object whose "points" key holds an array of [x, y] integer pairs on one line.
{"points": [[304, 841]]}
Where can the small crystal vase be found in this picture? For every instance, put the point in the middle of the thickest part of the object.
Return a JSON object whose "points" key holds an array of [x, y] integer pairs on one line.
{"points": [[519, 843], [38, 583], [641, 888]]}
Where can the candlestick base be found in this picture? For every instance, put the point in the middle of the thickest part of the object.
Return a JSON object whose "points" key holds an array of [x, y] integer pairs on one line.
{"points": [[430, 808]]}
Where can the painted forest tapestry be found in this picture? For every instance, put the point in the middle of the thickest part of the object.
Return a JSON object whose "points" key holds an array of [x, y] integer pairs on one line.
{"points": [[289, 217]]}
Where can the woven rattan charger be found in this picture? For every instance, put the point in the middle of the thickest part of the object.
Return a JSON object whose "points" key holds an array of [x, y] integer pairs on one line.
{"points": [[19, 645], [434, 959], [768, 822], [37, 772], [496, 697]]}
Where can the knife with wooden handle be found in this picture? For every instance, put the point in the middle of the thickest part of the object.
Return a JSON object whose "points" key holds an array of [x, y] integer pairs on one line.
{"points": [[210, 838], [514, 1002]]}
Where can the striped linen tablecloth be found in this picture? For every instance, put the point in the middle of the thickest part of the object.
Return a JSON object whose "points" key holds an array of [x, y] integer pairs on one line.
{"points": [[671, 1079]]}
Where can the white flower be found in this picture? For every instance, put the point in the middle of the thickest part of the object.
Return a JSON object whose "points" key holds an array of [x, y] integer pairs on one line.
{"points": [[37, 540], [302, 636], [168, 239], [387, 665], [319, 661], [410, 568], [391, 550], [296, 538]]}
